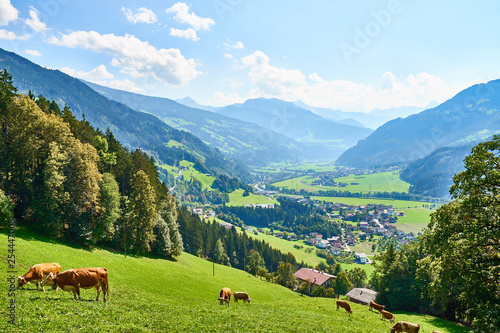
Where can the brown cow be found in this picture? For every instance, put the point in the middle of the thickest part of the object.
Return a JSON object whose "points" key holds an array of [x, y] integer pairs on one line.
{"points": [[37, 273], [241, 295], [86, 278], [376, 306], [345, 305], [387, 315], [403, 326], [225, 295]]}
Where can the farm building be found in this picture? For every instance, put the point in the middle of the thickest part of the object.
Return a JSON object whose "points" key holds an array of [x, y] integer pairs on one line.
{"points": [[316, 278], [362, 295]]}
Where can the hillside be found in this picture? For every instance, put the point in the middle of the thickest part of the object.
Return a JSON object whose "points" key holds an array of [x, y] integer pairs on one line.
{"points": [[134, 129], [372, 119], [324, 138], [433, 174], [470, 116], [245, 141], [149, 294]]}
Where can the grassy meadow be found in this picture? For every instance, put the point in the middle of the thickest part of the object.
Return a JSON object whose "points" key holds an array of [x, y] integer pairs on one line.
{"points": [[154, 295], [376, 182], [236, 198]]}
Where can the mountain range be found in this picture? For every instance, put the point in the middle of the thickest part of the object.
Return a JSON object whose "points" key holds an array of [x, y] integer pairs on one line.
{"points": [[246, 141], [132, 128], [469, 117], [323, 138]]}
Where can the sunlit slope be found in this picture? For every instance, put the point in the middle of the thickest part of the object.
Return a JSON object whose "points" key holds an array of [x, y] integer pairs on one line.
{"points": [[158, 295]]}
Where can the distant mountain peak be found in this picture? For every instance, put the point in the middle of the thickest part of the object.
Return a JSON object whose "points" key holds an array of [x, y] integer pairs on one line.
{"points": [[186, 99]]}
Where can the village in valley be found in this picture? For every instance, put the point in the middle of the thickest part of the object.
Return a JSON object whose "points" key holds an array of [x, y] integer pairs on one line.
{"points": [[358, 223]]}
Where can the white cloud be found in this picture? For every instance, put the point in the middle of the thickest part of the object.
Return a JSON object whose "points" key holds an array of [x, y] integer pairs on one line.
{"points": [[9, 35], [182, 15], [8, 13], [34, 22], [34, 53], [99, 73], [221, 99], [143, 15], [188, 34], [69, 71], [135, 57], [416, 90], [270, 79], [229, 56], [126, 85], [238, 46]]}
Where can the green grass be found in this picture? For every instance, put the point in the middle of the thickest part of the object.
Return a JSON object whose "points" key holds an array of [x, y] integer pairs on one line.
{"points": [[399, 204], [236, 198], [415, 221], [206, 181], [377, 182], [154, 295]]}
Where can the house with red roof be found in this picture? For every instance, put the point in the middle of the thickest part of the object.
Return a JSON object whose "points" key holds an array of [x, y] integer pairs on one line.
{"points": [[317, 278]]}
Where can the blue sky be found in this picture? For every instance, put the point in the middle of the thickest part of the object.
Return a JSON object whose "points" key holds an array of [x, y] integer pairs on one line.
{"points": [[347, 55]]}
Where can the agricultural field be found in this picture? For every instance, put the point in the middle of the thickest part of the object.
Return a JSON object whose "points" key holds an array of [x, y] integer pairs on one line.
{"points": [[397, 204], [155, 295], [415, 221], [376, 182], [236, 198]]}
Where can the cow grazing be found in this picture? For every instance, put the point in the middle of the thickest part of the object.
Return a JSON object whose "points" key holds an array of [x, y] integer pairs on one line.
{"points": [[387, 315], [345, 305], [241, 295], [403, 326], [37, 273], [436, 331], [86, 278], [376, 306], [225, 295]]}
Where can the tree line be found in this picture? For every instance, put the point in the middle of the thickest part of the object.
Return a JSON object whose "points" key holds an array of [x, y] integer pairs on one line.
{"points": [[212, 241], [453, 271], [69, 180], [288, 216], [349, 194]]}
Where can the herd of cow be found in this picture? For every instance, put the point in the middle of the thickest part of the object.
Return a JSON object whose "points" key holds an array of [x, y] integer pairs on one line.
{"points": [[70, 280], [400, 326]]}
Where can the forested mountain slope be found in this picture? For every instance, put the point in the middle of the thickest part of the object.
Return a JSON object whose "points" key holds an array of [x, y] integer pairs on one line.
{"points": [[470, 116], [134, 129], [246, 141]]}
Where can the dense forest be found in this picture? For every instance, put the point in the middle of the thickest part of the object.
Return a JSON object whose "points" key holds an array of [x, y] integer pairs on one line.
{"points": [[289, 216], [69, 180]]}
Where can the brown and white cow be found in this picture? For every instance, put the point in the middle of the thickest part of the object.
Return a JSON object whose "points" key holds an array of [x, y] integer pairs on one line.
{"points": [[241, 295], [225, 295], [387, 315], [376, 306], [37, 273], [345, 305], [403, 326], [86, 278]]}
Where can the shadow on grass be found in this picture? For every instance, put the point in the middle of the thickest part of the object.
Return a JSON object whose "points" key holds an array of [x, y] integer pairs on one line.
{"points": [[29, 235], [442, 324]]}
